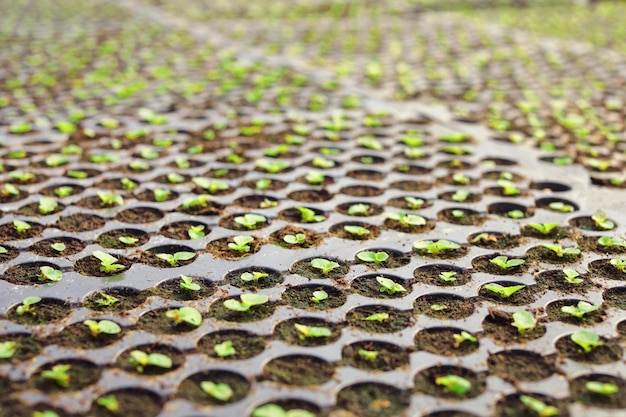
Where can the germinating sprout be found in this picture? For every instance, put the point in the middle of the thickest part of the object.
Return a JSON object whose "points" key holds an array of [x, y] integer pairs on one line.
{"points": [[524, 321], [253, 276], [602, 388], [368, 355], [580, 309], [240, 243], [463, 337], [324, 265], [47, 205], [413, 203], [319, 295], [356, 230], [185, 314], [379, 317], [59, 374], [359, 209], [435, 247], [295, 239], [173, 259], [27, 305], [447, 276], [373, 257], [110, 199], [311, 331], [212, 186], [543, 228], [505, 263], [389, 286], [140, 360], [107, 262], [610, 242], [220, 391], [109, 402], [601, 221], [224, 349], [406, 220], [106, 300], [502, 291], [273, 410], [308, 216], [21, 226], [247, 301], [586, 340], [186, 283], [102, 326], [561, 251], [128, 240], [50, 274], [250, 220], [571, 276], [454, 384], [618, 264], [8, 349], [538, 406]]}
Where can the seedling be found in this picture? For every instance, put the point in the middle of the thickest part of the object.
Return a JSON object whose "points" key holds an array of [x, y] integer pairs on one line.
{"points": [[308, 216], [524, 321], [107, 262], [586, 340], [463, 337], [460, 195], [173, 259], [263, 184], [21, 176], [618, 264], [414, 203], [312, 331], [253, 276], [406, 220], [561, 251], [508, 187], [3, 250], [368, 355], [601, 221], [356, 230], [10, 189], [272, 167], [47, 205], [580, 309], [543, 228], [199, 201], [373, 257], [602, 388], [571, 276], [106, 300], [460, 178], [454, 384], [314, 178], [504, 292], [240, 243], [224, 349], [389, 286], [21, 226], [128, 184], [379, 317], [438, 307], [435, 247], [515, 214], [49, 273], [250, 220], [58, 374], [456, 137], [128, 240], [485, 237], [318, 296], [140, 360], [561, 207], [102, 326], [27, 305], [161, 194], [610, 242], [45, 413], [267, 203], [324, 265], [359, 209], [110, 199], [186, 283], [221, 391], [8, 349], [187, 315], [175, 178], [273, 410], [297, 239], [447, 276], [212, 186], [538, 406], [109, 402], [247, 301], [505, 263]]}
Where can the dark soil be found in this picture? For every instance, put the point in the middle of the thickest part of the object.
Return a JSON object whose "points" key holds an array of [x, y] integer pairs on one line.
{"points": [[246, 344], [148, 195], [128, 299], [311, 238], [429, 274], [273, 279], [399, 227], [10, 254], [111, 239], [554, 280], [48, 310], [425, 381], [33, 210], [293, 215], [299, 370], [494, 240], [8, 232], [90, 266], [28, 346], [615, 297], [254, 202], [511, 406], [79, 336], [371, 399], [398, 319], [139, 215], [555, 234], [80, 222], [286, 331], [389, 356], [301, 295], [520, 365], [82, 374], [210, 208], [361, 191], [373, 210], [603, 268], [190, 389], [412, 186], [441, 341], [401, 203], [444, 306], [136, 402], [469, 218], [339, 231], [177, 357], [310, 196]]}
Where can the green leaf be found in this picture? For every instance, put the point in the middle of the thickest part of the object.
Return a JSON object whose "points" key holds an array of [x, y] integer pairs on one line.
{"points": [[7, 349], [220, 391], [454, 384]]}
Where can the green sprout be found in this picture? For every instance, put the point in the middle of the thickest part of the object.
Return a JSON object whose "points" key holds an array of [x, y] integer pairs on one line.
{"points": [[21, 226], [267, 203], [504, 292], [20, 176], [318, 296], [187, 315], [186, 283], [508, 187], [516, 214], [356, 230], [314, 178], [561, 207], [224, 349], [58, 374], [106, 300], [296, 239], [8, 349], [221, 392], [369, 142], [277, 151], [175, 178], [250, 220], [414, 203], [128, 240], [561, 251], [586, 340], [199, 201], [110, 199], [543, 228], [602, 388], [438, 307], [173, 259], [368, 355], [455, 137], [460, 178], [109, 402], [618, 264], [161, 194], [272, 167], [379, 317], [140, 360], [601, 221], [102, 326], [454, 384], [373, 257], [505, 263], [610, 242], [263, 184], [359, 209], [47, 205], [435, 247], [240, 243], [27, 305], [463, 337], [246, 302], [212, 186], [389, 286], [571, 276], [324, 265], [308, 216], [447, 276], [524, 321], [9, 189], [253, 276], [538, 406], [273, 410], [460, 195], [107, 262], [49, 273], [311, 331], [580, 309], [406, 220]]}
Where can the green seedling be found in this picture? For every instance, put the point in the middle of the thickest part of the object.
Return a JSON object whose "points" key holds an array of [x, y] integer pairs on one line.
{"points": [[20, 128], [561, 251], [460, 178], [102, 326], [199, 201], [58, 374], [110, 199], [161, 194], [523, 321], [602, 388], [140, 360], [318, 296], [47, 205], [106, 300], [618, 264], [435, 247], [21, 226], [447, 276], [50, 274], [128, 184], [406, 220], [139, 165], [389, 286], [212, 186], [224, 349], [3, 250], [272, 167], [250, 220], [104, 158], [128, 240], [297, 239], [456, 137], [369, 142], [221, 392], [460, 195], [515, 214], [539, 407], [414, 203], [356, 230], [173, 259], [571, 276], [9, 189], [107, 262], [187, 315], [438, 307], [485, 238], [240, 243], [454, 384], [359, 209], [610, 242], [314, 178], [7, 349], [308, 216], [263, 184], [324, 265], [45, 413], [27, 305], [586, 340], [373, 257], [508, 187], [543, 228], [59, 246], [463, 337], [580, 309], [109, 402], [21, 176], [149, 154], [504, 292], [505, 263], [368, 355], [561, 207], [186, 283], [175, 178], [413, 153], [273, 410], [601, 221], [311, 331], [253, 276], [267, 203], [379, 317], [277, 150], [246, 302], [323, 163]]}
